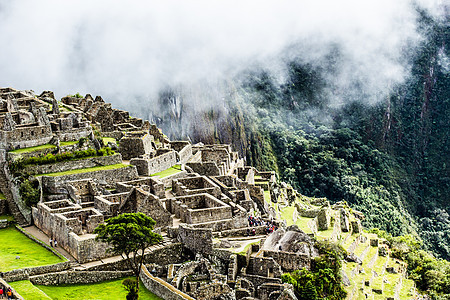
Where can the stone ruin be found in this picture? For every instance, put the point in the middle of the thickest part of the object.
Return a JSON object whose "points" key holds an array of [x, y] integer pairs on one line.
{"points": [[209, 199]]}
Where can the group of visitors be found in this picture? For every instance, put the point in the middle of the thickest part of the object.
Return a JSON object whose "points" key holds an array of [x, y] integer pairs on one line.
{"points": [[53, 242], [258, 221], [5, 291], [255, 221]]}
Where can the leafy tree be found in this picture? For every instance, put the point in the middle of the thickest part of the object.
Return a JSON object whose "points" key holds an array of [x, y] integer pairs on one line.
{"points": [[324, 280], [129, 235]]}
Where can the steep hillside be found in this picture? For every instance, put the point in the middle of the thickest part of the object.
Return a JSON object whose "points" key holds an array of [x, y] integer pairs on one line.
{"points": [[388, 159]]}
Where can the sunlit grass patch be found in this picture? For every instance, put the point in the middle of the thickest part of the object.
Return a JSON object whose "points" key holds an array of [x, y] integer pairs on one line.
{"points": [[15, 244]]}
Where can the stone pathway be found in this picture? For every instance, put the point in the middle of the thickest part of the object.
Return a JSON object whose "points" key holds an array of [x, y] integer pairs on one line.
{"points": [[40, 235]]}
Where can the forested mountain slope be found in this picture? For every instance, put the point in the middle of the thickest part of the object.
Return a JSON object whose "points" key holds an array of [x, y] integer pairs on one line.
{"points": [[390, 159]]}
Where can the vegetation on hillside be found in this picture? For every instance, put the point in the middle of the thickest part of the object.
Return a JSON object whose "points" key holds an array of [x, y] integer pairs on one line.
{"points": [[323, 280]]}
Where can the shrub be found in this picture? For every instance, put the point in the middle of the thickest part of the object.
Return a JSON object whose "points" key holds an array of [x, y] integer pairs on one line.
{"points": [[324, 280], [82, 141], [29, 191], [131, 286]]}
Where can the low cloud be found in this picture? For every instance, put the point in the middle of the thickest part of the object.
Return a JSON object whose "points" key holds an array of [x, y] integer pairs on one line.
{"points": [[128, 51]]}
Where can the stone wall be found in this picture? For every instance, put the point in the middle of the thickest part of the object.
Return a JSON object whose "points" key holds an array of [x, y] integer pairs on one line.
{"points": [[161, 288], [135, 145], [75, 164], [152, 184], [169, 254], [3, 207], [110, 176], [24, 137], [149, 166], [25, 273], [289, 261], [184, 149], [148, 204], [78, 277], [204, 168], [198, 240], [73, 134], [85, 248]]}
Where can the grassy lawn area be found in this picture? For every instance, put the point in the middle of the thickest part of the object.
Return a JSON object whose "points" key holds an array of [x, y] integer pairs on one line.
{"points": [[32, 149], [103, 290], [28, 291], [287, 214], [14, 243], [2, 196], [326, 234], [302, 223], [170, 171], [86, 170]]}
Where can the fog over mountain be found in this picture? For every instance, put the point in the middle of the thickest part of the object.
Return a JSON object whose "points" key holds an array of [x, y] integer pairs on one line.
{"points": [[128, 51]]}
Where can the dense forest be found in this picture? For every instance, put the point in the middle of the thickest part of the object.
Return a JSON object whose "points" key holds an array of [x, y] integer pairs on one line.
{"points": [[390, 160]]}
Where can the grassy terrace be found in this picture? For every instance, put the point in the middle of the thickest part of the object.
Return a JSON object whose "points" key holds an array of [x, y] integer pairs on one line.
{"points": [[28, 291], [33, 149], [170, 171], [70, 143], [31, 254], [103, 290], [406, 290], [42, 147], [86, 170]]}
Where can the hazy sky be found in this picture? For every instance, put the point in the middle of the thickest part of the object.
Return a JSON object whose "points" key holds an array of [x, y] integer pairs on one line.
{"points": [[120, 49]]}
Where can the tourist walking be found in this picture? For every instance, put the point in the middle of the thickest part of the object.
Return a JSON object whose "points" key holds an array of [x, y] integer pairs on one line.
{"points": [[51, 242], [55, 242]]}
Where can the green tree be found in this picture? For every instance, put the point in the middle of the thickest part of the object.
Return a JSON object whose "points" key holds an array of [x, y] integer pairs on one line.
{"points": [[129, 235]]}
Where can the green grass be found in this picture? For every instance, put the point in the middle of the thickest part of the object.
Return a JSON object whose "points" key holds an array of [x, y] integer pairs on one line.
{"points": [[287, 215], [7, 217], [103, 290], [170, 171], [2, 196], [244, 251], [28, 291], [267, 196], [326, 234], [370, 254], [86, 170], [389, 288], [406, 290], [106, 140], [69, 143], [33, 149], [348, 242], [302, 223], [360, 248], [31, 254]]}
